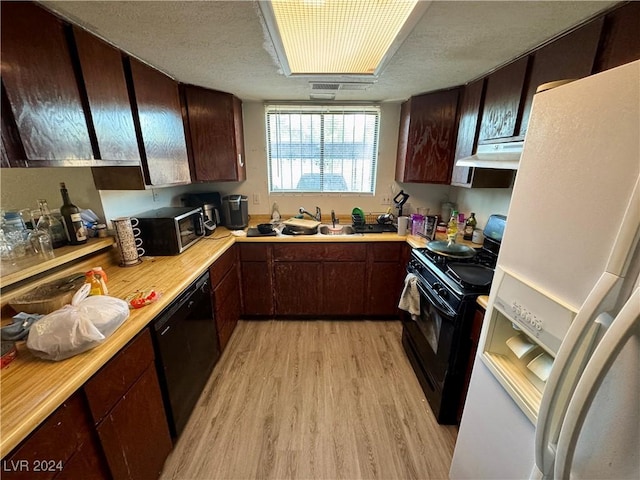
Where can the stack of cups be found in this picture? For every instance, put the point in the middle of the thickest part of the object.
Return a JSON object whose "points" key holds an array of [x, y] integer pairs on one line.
{"points": [[129, 243]]}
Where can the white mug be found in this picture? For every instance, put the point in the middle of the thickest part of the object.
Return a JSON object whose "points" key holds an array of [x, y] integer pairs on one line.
{"points": [[403, 225], [129, 245]]}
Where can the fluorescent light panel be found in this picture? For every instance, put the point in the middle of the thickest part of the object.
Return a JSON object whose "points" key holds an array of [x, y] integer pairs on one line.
{"points": [[339, 37]]}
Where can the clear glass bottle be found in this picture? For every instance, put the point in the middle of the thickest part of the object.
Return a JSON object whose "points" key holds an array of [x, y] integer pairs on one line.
{"points": [[51, 224], [74, 228], [470, 226], [452, 226]]}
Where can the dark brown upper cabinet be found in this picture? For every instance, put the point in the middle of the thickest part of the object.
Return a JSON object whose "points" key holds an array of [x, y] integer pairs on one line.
{"points": [[108, 98], [502, 101], [42, 89], [158, 121], [216, 137], [568, 57], [468, 130], [427, 136], [620, 41]]}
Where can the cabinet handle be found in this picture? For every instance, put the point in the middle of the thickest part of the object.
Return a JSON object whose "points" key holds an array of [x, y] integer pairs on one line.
{"points": [[240, 162]]}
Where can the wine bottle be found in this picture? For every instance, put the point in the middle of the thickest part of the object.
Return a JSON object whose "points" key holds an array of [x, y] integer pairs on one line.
{"points": [[74, 228], [470, 227], [51, 225]]}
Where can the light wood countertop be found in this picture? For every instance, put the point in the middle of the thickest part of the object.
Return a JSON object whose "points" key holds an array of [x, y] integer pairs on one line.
{"points": [[31, 389], [483, 301]]}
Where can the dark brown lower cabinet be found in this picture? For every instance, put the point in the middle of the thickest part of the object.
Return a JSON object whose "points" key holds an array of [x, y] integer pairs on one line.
{"points": [[297, 288], [64, 446], [256, 279], [226, 297], [322, 279], [225, 291], [134, 435], [387, 268], [126, 406], [474, 339]]}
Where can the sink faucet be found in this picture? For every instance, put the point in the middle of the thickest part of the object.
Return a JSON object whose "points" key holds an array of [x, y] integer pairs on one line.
{"points": [[317, 216], [333, 218]]}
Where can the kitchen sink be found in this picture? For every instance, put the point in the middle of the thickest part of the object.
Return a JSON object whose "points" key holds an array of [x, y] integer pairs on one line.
{"points": [[344, 230]]}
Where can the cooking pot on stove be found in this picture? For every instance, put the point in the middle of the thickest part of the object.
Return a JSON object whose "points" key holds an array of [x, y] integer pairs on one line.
{"points": [[451, 249]]}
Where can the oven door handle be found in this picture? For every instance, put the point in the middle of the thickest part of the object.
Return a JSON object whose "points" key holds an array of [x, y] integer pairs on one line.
{"points": [[437, 302]]}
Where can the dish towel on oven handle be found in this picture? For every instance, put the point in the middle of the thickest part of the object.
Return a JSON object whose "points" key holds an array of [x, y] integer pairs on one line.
{"points": [[410, 297]]}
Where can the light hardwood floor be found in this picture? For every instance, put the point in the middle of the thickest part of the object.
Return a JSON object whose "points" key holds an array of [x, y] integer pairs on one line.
{"points": [[313, 400]]}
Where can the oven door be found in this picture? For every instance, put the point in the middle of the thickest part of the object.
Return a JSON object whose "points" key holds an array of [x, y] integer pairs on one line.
{"points": [[436, 324]]}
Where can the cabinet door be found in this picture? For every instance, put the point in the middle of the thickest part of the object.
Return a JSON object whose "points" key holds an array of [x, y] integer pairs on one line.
{"points": [[42, 88], [620, 41], [474, 339], [64, 438], [297, 288], [343, 288], [227, 306], [468, 129], [571, 56], [216, 135], [112, 381], [427, 136], [108, 97], [386, 271], [256, 276], [502, 101], [135, 436], [160, 116]]}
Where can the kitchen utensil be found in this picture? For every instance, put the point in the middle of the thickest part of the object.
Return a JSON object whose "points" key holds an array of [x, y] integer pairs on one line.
{"points": [[471, 274], [385, 218], [50, 296], [399, 200], [449, 249], [254, 232], [265, 228], [357, 216], [302, 222]]}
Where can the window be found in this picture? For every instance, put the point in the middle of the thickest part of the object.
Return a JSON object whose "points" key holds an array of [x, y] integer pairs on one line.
{"points": [[314, 148]]}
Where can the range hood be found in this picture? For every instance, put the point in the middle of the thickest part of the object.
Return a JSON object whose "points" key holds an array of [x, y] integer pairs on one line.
{"points": [[496, 155]]}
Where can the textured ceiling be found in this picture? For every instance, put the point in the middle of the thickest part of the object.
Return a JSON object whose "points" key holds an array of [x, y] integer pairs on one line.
{"points": [[222, 44]]}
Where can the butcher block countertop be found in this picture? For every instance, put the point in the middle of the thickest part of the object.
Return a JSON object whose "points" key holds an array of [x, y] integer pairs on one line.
{"points": [[31, 389]]}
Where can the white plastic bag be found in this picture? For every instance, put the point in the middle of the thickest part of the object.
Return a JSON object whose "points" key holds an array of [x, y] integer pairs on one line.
{"points": [[78, 327]]}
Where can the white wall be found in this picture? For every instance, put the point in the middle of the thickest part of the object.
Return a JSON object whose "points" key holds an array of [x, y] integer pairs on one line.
{"points": [[21, 187]]}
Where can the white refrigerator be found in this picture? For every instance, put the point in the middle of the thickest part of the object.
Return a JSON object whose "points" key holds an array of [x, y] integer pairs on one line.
{"points": [[555, 390]]}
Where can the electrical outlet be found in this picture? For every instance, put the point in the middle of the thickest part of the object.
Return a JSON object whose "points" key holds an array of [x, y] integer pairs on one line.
{"points": [[386, 200], [155, 195], [256, 199]]}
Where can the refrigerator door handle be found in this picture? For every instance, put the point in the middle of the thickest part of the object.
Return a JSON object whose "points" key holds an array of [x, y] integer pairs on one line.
{"points": [[628, 235], [603, 357], [569, 362]]}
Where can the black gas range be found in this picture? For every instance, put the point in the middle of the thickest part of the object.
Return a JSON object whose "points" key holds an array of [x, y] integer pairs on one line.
{"points": [[437, 341]]}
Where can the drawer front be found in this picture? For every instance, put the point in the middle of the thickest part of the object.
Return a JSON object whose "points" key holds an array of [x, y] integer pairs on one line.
{"points": [[222, 265], [257, 252], [316, 252], [107, 386], [386, 252]]}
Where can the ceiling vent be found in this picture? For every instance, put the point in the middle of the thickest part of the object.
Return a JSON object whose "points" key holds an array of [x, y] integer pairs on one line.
{"points": [[333, 86]]}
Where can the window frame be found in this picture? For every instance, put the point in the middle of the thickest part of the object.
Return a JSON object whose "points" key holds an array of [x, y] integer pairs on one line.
{"points": [[370, 143]]}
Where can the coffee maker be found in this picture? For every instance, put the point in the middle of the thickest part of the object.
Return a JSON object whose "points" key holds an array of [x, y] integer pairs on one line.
{"points": [[211, 206], [235, 211]]}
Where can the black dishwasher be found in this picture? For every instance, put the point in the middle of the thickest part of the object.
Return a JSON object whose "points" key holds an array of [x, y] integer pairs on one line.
{"points": [[186, 344]]}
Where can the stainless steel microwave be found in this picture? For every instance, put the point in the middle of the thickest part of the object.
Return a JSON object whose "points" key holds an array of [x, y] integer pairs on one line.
{"points": [[170, 230]]}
